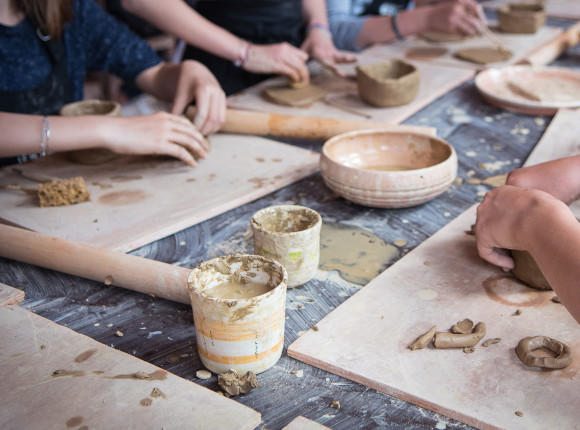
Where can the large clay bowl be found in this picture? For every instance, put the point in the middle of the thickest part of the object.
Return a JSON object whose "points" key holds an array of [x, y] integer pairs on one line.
{"points": [[521, 18], [387, 169], [386, 84]]}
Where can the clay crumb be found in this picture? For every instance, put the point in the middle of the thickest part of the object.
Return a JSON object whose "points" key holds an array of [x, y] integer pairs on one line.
{"points": [[119, 333], [110, 325], [493, 341], [203, 374], [152, 295], [427, 263], [109, 280], [140, 375], [335, 404], [42, 346], [156, 392], [462, 327], [469, 349], [518, 312], [315, 327], [556, 299], [234, 383], [298, 373], [519, 413]]}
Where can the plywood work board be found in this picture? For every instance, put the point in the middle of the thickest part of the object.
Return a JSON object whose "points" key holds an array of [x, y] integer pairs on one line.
{"points": [[137, 200], [10, 295], [96, 387], [342, 94], [521, 45], [441, 282], [557, 8]]}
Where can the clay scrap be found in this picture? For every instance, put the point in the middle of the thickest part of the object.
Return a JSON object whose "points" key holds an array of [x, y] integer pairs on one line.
{"points": [[234, 383], [460, 336], [303, 96], [484, 55], [62, 192], [528, 348]]}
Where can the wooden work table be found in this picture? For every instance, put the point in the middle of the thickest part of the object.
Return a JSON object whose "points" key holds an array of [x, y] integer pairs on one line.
{"points": [[479, 132]]}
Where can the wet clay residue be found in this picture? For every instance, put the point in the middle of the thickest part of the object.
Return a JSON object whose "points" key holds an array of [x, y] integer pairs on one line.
{"points": [[284, 219], [121, 198], [235, 383], [527, 270], [508, 290], [146, 402], [543, 351], [75, 421], [296, 97], [237, 290], [125, 178], [357, 254], [61, 373], [158, 375], [484, 55], [426, 53], [441, 37], [85, 355], [156, 393], [386, 84]]}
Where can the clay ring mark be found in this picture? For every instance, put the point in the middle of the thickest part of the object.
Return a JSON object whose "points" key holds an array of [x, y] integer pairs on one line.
{"points": [[527, 346]]}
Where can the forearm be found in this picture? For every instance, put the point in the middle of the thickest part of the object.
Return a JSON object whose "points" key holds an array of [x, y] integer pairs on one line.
{"points": [[314, 11], [379, 29], [178, 19]]}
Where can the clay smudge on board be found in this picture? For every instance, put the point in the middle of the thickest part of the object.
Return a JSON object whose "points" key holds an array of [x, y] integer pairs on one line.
{"points": [[85, 355], [74, 421], [121, 198], [125, 178], [258, 182], [357, 254], [158, 375], [508, 290]]}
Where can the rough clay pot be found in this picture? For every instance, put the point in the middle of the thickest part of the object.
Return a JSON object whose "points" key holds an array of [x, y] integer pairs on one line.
{"points": [[240, 334], [289, 234], [386, 84], [91, 107], [521, 18], [388, 169]]}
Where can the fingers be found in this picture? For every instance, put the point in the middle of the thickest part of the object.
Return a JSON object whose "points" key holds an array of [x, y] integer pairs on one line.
{"points": [[495, 256], [186, 135]]}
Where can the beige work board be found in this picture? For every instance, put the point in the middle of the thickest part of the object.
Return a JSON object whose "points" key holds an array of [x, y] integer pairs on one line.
{"points": [[137, 200], [557, 8], [342, 93], [441, 282], [95, 385], [522, 45]]}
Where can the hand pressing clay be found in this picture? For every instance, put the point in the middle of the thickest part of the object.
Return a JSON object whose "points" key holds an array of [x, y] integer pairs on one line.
{"points": [[441, 37], [484, 55], [528, 349], [295, 97], [526, 270]]}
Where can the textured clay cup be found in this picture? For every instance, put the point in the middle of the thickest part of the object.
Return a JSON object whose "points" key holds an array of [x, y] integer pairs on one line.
{"points": [[92, 107], [289, 234], [386, 84], [521, 18], [242, 334]]}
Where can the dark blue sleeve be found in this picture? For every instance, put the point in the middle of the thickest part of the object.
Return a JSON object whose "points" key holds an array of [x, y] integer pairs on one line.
{"points": [[108, 44]]}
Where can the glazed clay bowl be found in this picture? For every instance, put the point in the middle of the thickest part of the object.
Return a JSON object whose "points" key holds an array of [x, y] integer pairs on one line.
{"points": [[388, 169], [521, 18], [389, 83]]}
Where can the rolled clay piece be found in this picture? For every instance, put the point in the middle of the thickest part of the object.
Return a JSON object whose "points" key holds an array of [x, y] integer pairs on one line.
{"points": [[527, 270], [452, 340], [527, 346], [296, 97], [441, 37], [423, 340], [484, 55], [462, 327]]}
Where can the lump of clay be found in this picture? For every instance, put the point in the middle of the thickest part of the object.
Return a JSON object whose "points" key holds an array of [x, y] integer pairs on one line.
{"points": [[423, 340], [527, 270], [528, 348], [297, 97], [462, 327], [521, 18], [386, 84], [484, 55], [235, 383], [441, 37], [63, 192], [453, 340]]}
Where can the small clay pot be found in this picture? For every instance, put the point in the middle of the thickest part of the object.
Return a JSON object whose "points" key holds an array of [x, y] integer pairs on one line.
{"points": [[91, 156], [386, 84], [521, 18]]}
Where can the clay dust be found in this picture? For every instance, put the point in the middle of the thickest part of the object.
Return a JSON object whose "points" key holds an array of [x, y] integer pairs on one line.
{"points": [[357, 254]]}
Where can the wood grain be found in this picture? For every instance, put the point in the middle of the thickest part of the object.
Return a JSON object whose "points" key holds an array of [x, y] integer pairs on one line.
{"points": [[96, 387], [137, 200]]}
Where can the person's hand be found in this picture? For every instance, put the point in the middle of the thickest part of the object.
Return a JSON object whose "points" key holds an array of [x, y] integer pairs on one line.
{"points": [[460, 16], [160, 133], [508, 218], [319, 46], [279, 58], [197, 82]]}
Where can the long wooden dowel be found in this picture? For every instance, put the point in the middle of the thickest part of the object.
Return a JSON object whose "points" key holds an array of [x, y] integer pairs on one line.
{"points": [[300, 127], [98, 264]]}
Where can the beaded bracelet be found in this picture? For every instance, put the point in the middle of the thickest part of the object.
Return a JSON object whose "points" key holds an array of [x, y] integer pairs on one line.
{"points": [[396, 27], [45, 138], [241, 62], [319, 26]]}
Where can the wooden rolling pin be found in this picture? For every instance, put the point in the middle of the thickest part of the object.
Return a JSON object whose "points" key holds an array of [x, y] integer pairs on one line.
{"points": [[91, 262], [300, 127]]}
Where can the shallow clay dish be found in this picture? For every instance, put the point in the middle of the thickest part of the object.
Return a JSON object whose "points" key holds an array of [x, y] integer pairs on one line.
{"points": [[521, 18], [389, 83], [534, 90], [387, 169]]}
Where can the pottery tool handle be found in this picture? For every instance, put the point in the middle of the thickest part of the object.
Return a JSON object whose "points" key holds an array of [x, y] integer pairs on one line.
{"points": [[484, 29], [91, 262], [300, 127]]}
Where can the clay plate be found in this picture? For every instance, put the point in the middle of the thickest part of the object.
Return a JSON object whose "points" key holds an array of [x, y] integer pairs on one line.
{"points": [[387, 169], [533, 90]]}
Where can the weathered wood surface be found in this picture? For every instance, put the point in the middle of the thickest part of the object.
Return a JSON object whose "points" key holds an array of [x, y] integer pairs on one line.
{"points": [[480, 133]]}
